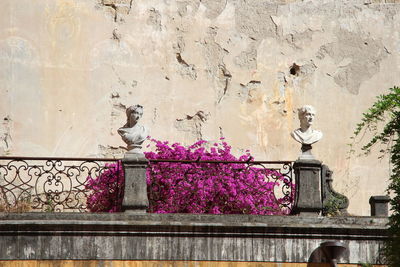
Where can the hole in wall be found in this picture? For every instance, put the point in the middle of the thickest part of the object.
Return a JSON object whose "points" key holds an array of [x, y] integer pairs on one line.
{"points": [[295, 69]]}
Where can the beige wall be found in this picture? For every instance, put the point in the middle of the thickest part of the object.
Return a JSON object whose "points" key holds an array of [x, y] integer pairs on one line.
{"points": [[202, 69]]}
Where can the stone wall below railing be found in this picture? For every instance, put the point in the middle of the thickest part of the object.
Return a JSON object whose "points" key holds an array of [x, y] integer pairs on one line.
{"points": [[162, 237]]}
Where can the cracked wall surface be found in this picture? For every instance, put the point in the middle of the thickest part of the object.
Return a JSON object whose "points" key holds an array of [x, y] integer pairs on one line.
{"points": [[202, 69]]}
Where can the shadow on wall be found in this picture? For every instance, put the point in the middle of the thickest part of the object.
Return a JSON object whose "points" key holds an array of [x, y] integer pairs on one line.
{"points": [[328, 252], [317, 256]]}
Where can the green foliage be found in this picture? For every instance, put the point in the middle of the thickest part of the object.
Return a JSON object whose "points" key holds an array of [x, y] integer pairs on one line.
{"points": [[49, 206], [332, 206], [386, 111]]}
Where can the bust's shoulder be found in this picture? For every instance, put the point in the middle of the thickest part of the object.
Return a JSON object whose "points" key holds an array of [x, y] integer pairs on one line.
{"points": [[296, 132], [297, 135], [122, 130], [317, 132]]}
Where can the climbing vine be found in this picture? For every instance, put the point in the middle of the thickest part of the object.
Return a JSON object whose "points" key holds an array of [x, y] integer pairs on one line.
{"points": [[386, 111]]}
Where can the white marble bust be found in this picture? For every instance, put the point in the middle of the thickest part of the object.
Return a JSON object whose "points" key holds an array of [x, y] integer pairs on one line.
{"points": [[132, 132], [305, 134]]}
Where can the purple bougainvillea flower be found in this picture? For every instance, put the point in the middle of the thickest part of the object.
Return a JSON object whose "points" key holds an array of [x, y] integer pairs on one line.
{"points": [[176, 187]]}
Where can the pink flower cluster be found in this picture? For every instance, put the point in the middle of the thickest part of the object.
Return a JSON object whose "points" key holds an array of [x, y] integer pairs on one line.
{"points": [[199, 184], [215, 188], [106, 190]]}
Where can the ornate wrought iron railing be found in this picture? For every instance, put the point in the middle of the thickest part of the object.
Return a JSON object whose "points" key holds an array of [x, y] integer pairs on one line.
{"points": [[274, 178], [60, 184], [48, 184]]}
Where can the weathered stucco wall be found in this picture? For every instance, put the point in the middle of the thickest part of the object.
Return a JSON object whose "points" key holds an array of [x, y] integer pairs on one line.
{"points": [[202, 69]]}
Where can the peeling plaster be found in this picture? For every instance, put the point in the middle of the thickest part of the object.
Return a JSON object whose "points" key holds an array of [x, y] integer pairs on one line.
{"points": [[188, 7], [107, 151], [248, 59], [303, 70], [216, 68], [5, 136], [247, 91], [254, 18], [154, 19], [214, 7], [299, 40], [357, 58], [192, 124], [185, 69], [117, 8], [115, 35]]}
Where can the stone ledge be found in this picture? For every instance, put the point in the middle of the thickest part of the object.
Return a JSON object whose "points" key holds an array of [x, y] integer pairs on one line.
{"points": [[372, 227], [121, 236]]}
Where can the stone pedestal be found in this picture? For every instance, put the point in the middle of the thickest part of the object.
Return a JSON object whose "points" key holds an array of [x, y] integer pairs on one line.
{"points": [[135, 193], [379, 206], [308, 187]]}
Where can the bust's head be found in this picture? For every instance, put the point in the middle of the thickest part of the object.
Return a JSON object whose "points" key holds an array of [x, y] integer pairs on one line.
{"points": [[306, 115], [133, 114]]}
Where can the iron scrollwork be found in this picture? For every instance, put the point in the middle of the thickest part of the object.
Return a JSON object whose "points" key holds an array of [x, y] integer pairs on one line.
{"points": [[48, 184]]}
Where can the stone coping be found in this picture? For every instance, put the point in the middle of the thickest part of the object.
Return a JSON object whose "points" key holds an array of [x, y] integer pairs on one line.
{"points": [[194, 224]]}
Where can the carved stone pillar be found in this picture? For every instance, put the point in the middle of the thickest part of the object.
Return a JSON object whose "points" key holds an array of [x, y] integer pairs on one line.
{"points": [[135, 193], [308, 187]]}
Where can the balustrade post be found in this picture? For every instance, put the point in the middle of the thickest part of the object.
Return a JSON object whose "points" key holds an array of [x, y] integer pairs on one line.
{"points": [[135, 192], [308, 187], [379, 206]]}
